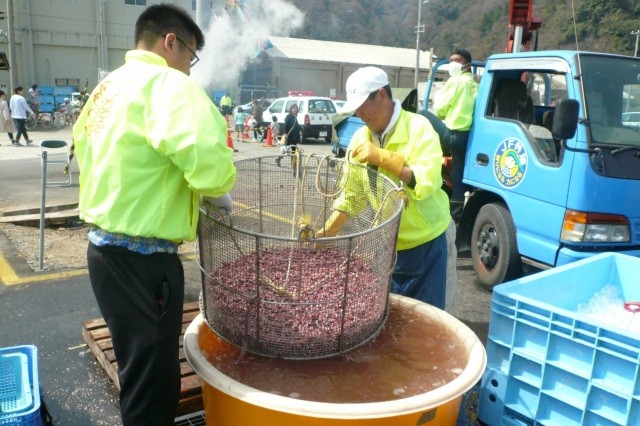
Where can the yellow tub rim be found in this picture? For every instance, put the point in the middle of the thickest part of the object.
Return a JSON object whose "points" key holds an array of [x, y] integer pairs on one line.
{"points": [[455, 389]]}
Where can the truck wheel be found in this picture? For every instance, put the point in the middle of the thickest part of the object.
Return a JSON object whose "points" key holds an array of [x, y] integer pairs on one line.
{"points": [[494, 250]]}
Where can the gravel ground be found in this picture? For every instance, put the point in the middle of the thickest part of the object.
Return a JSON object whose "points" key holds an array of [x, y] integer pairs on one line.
{"points": [[64, 246]]}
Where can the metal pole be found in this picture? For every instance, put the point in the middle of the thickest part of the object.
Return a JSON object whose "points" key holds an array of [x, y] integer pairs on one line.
{"points": [[517, 39], [419, 29], [201, 18], [13, 77], [43, 190], [637, 34]]}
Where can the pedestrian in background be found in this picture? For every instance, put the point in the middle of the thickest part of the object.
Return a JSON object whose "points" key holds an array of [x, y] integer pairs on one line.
{"points": [[144, 165], [19, 113], [404, 147], [453, 108], [240, 117], [34, 98], [292, 127], [291, 136], [225, 104], [6, 122], [256, 113], [275, 129]]}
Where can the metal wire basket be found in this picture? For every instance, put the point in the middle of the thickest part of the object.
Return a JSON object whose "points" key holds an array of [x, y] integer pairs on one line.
{"points": [[271, 286]]}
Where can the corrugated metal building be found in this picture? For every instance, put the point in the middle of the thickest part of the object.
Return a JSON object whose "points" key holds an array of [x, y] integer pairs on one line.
{"points": [[292, 64]]}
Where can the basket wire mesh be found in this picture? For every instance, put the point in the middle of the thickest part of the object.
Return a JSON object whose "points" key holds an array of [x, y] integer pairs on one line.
{"points": [[273, 287]]}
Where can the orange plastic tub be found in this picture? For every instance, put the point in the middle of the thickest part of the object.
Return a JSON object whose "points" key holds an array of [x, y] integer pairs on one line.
{"points": [[271, 392]]}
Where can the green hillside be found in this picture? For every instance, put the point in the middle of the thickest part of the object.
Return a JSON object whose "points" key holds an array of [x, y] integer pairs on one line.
{"points": [[479, 26]]}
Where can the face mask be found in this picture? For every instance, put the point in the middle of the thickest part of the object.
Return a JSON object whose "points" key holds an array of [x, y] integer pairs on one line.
{"points": [[455, 68]]}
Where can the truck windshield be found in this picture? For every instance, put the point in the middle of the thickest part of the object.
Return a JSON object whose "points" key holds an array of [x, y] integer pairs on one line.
{"points": [[612, 95]]}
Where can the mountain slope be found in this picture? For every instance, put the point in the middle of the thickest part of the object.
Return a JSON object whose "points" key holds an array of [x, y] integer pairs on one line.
{"points": [[479, 26]]}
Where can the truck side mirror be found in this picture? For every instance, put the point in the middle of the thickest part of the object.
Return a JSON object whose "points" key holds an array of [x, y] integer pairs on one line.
{"points": [[565, 119]]}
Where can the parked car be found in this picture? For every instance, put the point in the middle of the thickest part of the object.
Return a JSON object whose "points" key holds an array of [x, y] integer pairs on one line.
{"points": [[248, 107], [631, 119], [339, 104], [314, 115]]}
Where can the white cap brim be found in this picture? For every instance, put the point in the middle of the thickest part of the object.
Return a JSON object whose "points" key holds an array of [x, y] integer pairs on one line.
{"points": [[353, 103]]}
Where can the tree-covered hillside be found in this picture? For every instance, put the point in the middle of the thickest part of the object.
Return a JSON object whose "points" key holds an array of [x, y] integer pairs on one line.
{"points": [[479, 26]]}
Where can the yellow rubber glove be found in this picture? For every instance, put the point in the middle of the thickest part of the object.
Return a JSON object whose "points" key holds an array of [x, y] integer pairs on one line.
{"points": [[389, 160], [333, 225]]}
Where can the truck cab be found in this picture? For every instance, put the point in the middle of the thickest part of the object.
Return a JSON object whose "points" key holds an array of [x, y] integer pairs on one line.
{"points": [[554, 169]]}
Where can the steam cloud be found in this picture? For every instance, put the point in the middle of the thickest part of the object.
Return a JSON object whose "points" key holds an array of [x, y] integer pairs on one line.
{"points": [[234, 35]]}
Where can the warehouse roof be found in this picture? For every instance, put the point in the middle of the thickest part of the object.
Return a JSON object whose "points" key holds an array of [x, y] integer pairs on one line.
{"points": [[333, 51]]}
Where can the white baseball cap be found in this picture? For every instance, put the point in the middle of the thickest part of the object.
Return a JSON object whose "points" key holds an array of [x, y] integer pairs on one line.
{"points": [[362, 83]]}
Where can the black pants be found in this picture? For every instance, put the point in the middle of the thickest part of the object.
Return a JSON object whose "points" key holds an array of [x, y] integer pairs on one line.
{"points": [[22, 129], [141, 299]]}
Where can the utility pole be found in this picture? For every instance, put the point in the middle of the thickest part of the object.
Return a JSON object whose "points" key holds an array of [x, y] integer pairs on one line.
{"points": [[419, 30], [637, 34], [13, 77]]}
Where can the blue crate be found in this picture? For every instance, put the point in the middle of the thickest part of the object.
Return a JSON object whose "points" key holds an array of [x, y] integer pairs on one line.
{"points": [[46, 107], [46, 90], [64, 90], [15, 392], [19, 386], [550, 365]]}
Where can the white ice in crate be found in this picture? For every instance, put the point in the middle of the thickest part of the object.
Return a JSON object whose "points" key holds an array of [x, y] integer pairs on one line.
{"points": [[607, 306]]}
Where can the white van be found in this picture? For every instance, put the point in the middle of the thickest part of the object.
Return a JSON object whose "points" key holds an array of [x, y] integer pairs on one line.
{"points": [[76, 99], [314, 115]]}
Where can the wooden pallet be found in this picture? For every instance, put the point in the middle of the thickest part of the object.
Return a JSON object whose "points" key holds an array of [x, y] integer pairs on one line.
{"points": [[96, 335]]}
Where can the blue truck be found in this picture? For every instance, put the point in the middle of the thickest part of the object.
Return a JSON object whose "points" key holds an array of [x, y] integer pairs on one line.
{"points": [[554, 169]]}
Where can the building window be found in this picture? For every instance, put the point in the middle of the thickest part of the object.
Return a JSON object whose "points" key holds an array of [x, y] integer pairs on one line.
{"points": [[136, 2]]}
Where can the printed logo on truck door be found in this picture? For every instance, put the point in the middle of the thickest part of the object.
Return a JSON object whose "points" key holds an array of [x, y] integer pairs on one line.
{"points": [[510, 163]]}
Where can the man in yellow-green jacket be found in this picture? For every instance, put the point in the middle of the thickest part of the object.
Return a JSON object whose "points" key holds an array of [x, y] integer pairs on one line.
{"points": [[149, 144], [452, 120], [225, 104], [403, 146]]}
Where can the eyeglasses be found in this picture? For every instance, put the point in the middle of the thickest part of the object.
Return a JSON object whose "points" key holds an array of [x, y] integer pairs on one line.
{"points": [[195, 58]]}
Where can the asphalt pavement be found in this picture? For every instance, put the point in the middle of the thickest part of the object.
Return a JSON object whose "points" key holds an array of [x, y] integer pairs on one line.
{"points": [[47, 308]]}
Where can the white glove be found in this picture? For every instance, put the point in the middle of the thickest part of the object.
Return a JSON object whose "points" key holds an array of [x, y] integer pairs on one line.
{"points": [[223, 202]]}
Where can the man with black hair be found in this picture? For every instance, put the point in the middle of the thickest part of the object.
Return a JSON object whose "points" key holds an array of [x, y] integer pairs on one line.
{"points": [[20, 110], [452, 120], [34, 98], [149, 143]]}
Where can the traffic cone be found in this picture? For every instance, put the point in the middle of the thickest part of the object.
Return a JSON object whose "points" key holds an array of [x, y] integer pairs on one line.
{"points": [[269, 138], [230, 141]]}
